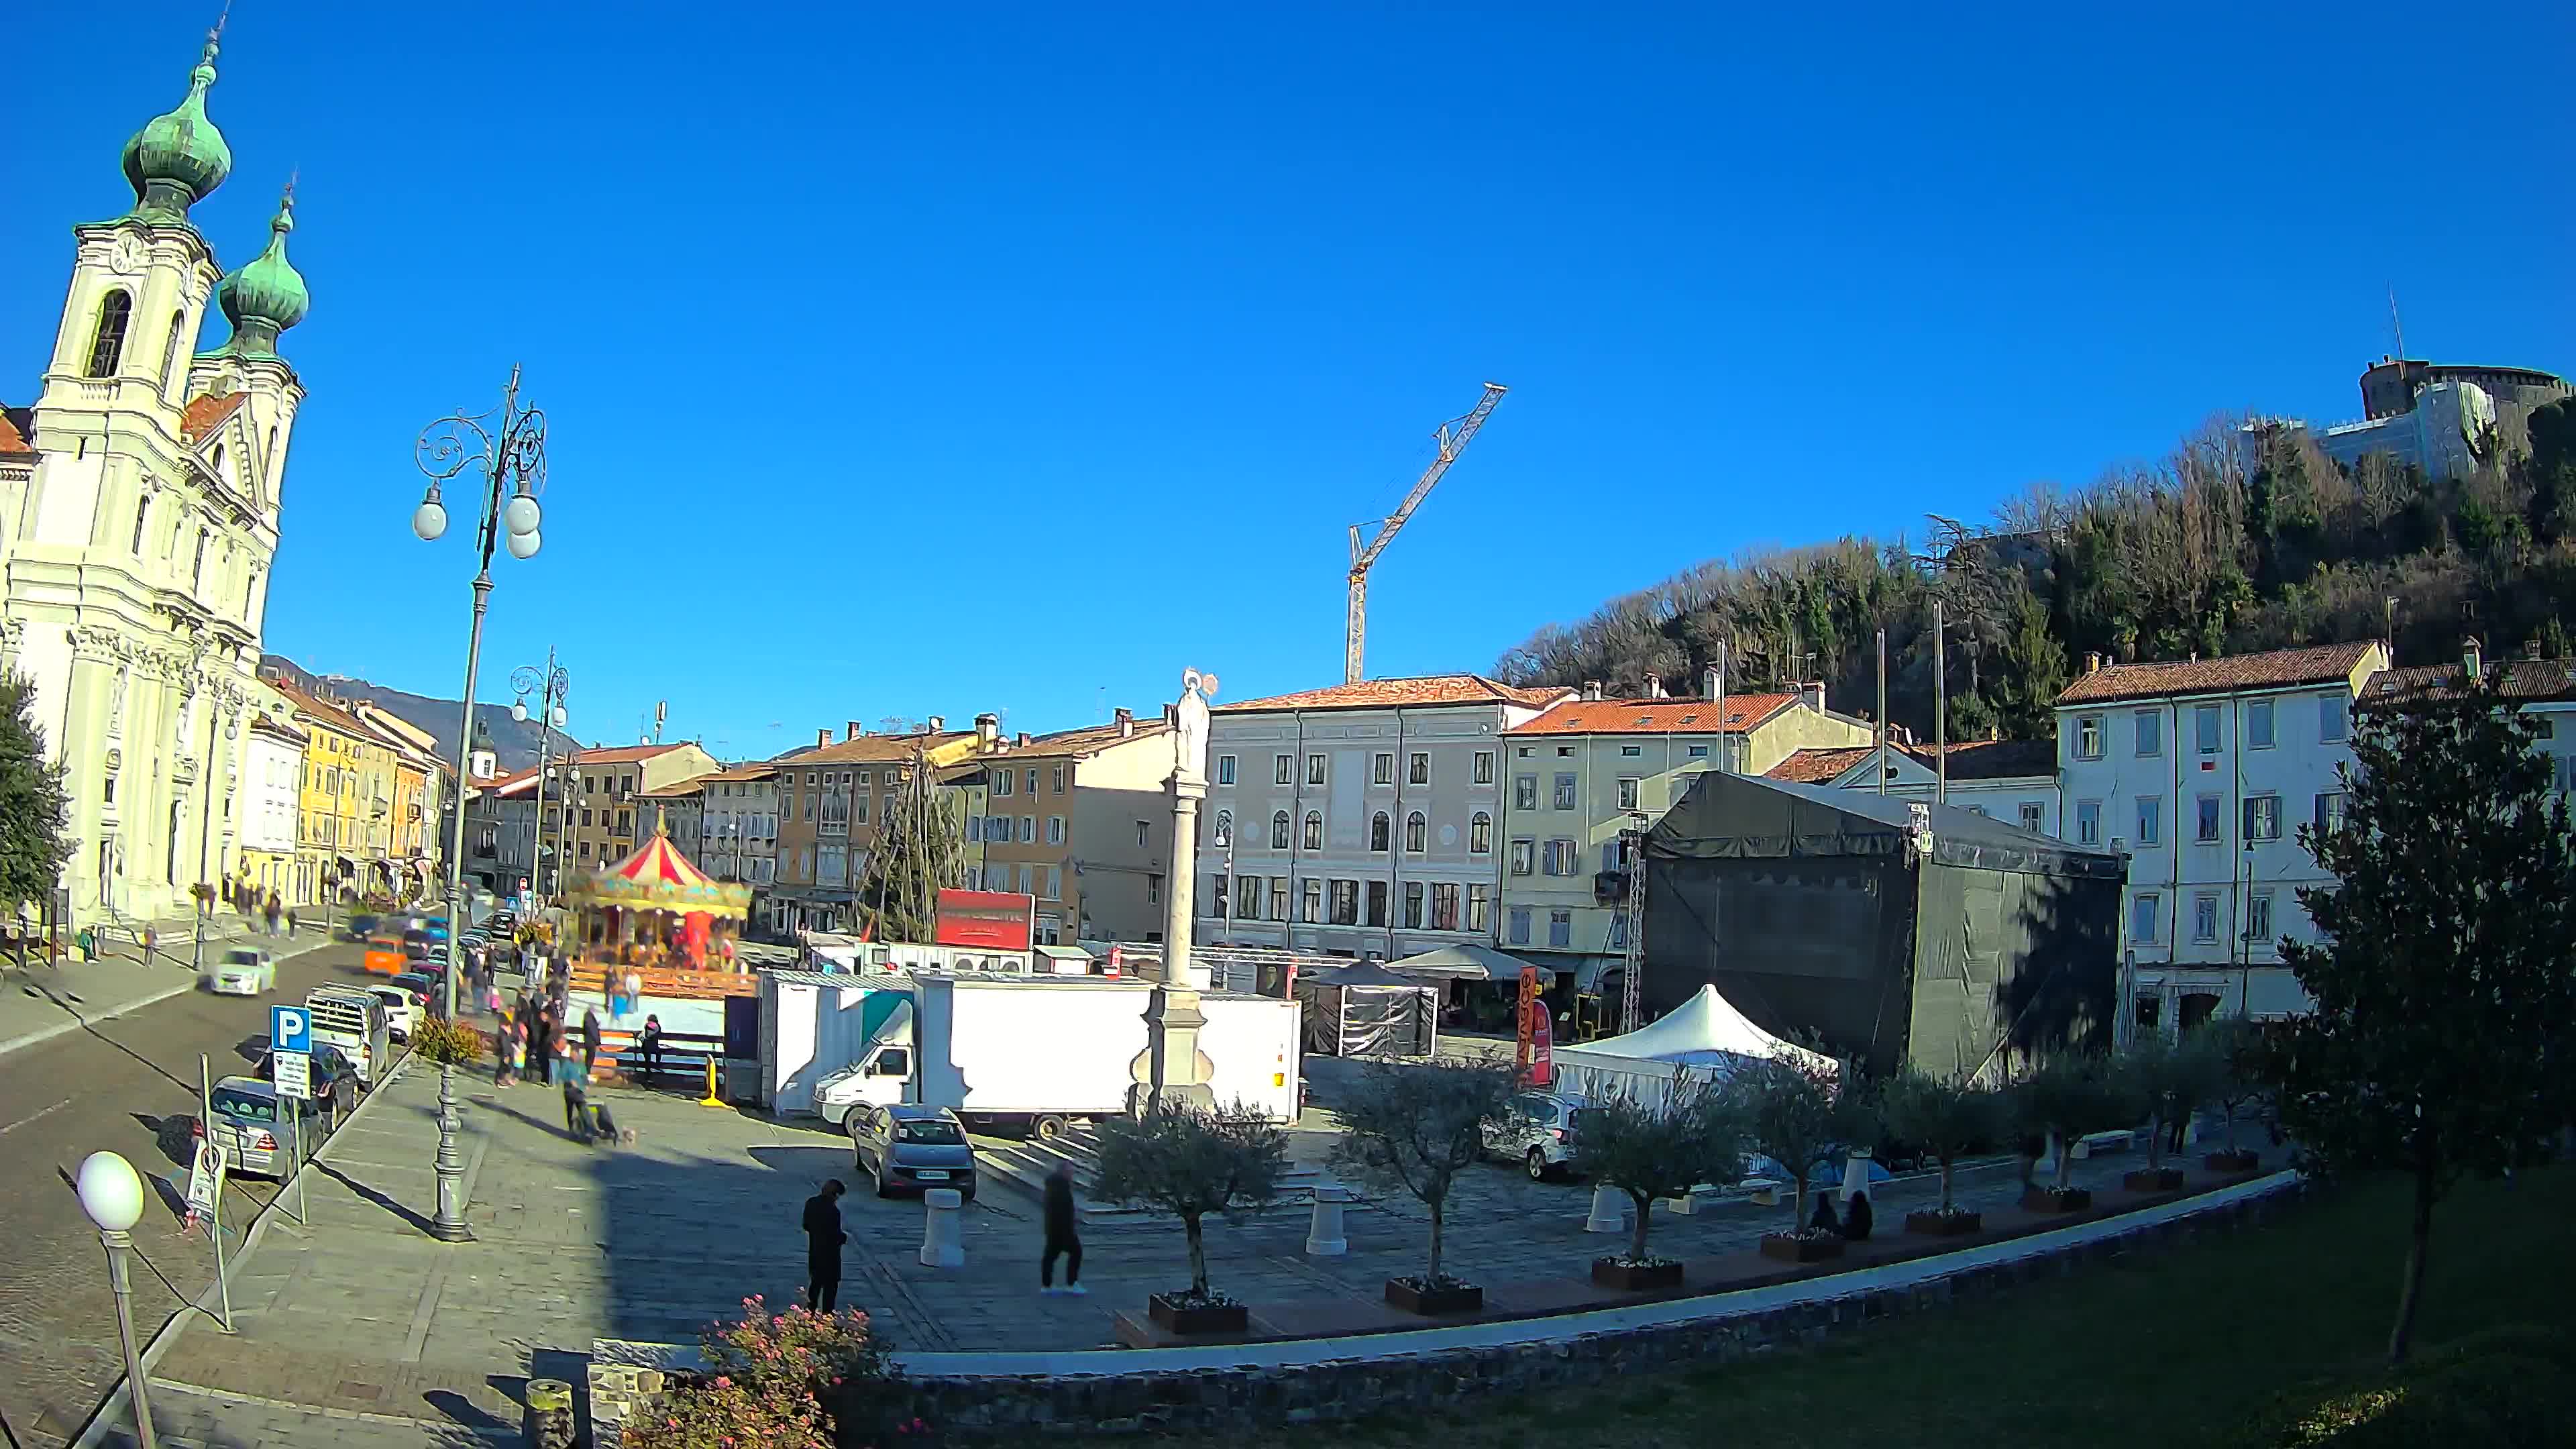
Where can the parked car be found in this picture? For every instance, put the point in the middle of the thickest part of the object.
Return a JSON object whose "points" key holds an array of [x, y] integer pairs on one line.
{"points": [[1539, 1133], [251, 1125], [403, 1006], [385, 956], [359, 928], [334, 1078], [911, 1148], [420, 945], [243, 971]]}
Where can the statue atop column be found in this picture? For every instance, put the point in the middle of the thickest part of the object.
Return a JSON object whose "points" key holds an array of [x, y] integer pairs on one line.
{"points": [[1172, 1068]]}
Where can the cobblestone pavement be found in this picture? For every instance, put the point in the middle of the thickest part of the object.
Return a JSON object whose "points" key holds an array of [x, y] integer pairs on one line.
{"points": [[361, 1314], [108, 1085]]}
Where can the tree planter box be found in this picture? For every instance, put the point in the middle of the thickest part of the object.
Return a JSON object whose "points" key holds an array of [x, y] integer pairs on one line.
{"points": [[1944, 1225], [1197, 1317], [2237, 1161], [1607, 1273], [2152, 1179], [1447, 1298], [1800, 1250], [2056, 1200]]}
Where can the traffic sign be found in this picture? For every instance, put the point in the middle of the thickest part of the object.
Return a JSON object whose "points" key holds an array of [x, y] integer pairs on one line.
{"points": [[204, 1180], [290, 1029], [294, 1075]]}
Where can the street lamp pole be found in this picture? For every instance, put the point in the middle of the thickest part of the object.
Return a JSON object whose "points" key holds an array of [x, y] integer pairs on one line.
{"points": [[112, 1195], [509, 447], [549, 685]]}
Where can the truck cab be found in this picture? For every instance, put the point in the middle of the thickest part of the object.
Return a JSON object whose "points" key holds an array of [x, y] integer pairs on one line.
{"points": [[881, 1077]]}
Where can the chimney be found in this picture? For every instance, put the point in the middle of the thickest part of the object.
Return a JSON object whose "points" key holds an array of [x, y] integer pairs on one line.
{"points": [[988, 728], [1708, 684], [2472, 658], [1022, 741], [2093, 662], [1592, 689], [1126, 723], [1814, 694], [937, 724], [1654, 685], [824, 737], [852, 730]]}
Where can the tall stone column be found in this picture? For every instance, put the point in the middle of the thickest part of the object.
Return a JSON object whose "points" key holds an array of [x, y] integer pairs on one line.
{"points": [[1172, 1071]]}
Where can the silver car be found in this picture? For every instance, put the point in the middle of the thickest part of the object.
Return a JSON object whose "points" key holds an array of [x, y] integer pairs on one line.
{"points": [[911, 1148], [250, 1125], [1539, 1133]]}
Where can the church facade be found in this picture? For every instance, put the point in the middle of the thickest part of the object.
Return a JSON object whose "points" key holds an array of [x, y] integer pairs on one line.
{"points": [[139, 522]]}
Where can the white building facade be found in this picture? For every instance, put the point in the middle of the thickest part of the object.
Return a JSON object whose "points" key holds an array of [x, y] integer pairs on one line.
{"points": [[135, 551], [1362, 820], [273, 769], [2202, 772]]}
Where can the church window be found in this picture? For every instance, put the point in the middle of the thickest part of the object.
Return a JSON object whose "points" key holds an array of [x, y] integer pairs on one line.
{"points": [[142, 516], [219, 460], [107, 346], [170, 353], [197, 572]]}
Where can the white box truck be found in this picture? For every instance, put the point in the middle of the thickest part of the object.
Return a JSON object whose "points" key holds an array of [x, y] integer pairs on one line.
{"points": [[1037, 1054]]}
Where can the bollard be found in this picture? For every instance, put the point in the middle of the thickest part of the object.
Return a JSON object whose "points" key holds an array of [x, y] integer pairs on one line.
{"points": [[1856, 1173], [942, 1242], [547, 1423], [1324, 1237], [1609, 1211]]}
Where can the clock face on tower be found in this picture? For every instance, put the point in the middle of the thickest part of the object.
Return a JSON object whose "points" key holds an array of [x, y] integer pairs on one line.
{"points": [[127, 257]]}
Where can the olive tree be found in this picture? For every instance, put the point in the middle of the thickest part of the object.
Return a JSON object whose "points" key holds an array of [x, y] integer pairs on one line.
{"points": [[1690, 1134], [2231, 1049], [1942, 1116], [2171, 1080], [1413, 1129], [1192, 1161], [2070, 1096], [1794, 1109]]}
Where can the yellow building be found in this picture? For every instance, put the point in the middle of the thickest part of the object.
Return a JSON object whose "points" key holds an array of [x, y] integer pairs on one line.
{"points": [[344, 835]]}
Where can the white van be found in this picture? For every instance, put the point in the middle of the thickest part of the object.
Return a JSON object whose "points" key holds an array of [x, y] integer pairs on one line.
{"points": [[352, 1019]]}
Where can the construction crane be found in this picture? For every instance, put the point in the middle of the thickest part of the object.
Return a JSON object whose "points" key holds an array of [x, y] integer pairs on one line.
{"points": [[1453, 437]]}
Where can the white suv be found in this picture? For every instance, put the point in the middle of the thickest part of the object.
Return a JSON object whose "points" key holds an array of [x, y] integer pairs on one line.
{"points": [[1538, 1132]]}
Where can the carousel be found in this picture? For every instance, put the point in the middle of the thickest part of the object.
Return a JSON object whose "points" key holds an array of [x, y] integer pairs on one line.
{"points": [[656, 910]]}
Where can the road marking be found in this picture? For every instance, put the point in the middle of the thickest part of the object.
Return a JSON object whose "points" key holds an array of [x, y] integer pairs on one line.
{"points": [[23, 1121]]}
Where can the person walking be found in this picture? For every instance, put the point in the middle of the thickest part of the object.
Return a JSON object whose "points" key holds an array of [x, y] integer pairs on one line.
{"points": [[823, 1240], [539, 1064], [502, 1032], [1061, 1236], [589, 1043], [651, 1042]]}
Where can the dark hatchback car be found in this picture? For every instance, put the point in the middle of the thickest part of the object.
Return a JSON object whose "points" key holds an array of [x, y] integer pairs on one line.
{"points": [[335, 1081]]}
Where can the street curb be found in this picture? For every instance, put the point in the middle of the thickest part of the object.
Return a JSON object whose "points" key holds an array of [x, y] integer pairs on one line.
{"points": [[359, 1416], [79, 1022], [118, 1402]]}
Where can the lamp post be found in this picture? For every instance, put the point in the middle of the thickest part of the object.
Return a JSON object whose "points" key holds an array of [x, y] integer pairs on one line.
{"points": [[549, 684], [509, 447], [112, 1195]]}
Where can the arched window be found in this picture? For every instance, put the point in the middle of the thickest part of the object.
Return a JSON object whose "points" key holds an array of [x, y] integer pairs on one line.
{"points": [[1415, 827], [107, 344], [1480, 834], [1378, 831], [1314, 830], [142, 517], [197, 571], [170, 353], [1224, 828], [1279, 831]]}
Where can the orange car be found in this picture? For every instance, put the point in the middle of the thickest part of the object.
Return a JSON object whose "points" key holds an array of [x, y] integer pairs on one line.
{"points": [[385, 956]]}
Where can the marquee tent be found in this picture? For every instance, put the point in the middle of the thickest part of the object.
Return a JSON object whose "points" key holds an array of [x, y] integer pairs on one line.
{"points": [[1466, 961], [1364, 1010], [1705, 1037]]}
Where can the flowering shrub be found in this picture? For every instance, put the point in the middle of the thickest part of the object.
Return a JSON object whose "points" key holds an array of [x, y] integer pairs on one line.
{"points": [[793, 1380]]}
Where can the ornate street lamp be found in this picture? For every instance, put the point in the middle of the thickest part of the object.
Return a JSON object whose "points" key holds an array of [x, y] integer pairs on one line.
{"points": [[112, 1195], [508, 447], [550, 685]]}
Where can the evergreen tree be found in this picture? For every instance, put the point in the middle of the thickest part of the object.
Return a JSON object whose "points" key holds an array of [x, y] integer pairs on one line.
{"points": [[2441, 975], [33, 807], [916, 857]]}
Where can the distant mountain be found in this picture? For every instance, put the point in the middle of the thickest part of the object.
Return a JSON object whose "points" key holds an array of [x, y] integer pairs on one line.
{"points": [[514, 744]]}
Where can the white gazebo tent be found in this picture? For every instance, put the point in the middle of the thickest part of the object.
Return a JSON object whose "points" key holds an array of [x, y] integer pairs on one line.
{"points": [[1705, 1037]]}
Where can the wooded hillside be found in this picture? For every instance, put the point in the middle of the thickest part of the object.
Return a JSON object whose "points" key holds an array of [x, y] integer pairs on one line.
{"points": [[2224, 547]]}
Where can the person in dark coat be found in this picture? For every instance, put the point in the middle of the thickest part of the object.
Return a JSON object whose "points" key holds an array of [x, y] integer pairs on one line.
{"points": [[1823, 1220], [1061, 1236], [589, 1042], [650, 1041], [1856, 1218], [823, 1240]]}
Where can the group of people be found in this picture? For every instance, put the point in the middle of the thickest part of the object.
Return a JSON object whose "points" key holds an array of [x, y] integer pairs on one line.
{"points": [[250, 902], [1854, 1223], [824, 1237], [533, 1041]]}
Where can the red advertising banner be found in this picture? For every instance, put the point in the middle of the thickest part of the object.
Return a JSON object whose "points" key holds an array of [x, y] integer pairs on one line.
{"points": [[1527, 1003], [1542, 1067], [993, 920]]}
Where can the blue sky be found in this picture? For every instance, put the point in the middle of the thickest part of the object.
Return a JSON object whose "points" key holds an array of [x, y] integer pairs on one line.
{"points": [[928, 359]]}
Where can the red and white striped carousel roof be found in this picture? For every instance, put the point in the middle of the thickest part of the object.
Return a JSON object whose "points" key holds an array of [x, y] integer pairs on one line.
{"points": [[659, 862]]}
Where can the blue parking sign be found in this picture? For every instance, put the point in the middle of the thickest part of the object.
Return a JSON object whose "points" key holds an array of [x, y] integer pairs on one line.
{"points": [[290, 1028]]}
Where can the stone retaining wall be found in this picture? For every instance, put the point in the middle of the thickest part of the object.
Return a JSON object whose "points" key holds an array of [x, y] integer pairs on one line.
{"points": [[1150, 1400]]}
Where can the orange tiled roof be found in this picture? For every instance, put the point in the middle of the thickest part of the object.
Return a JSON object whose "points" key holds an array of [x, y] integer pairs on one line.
{"points": [[1818, 767], [620, 754], [335, 716], [1655, 716], [207, 412], [1088, 740], [2524, 679], [1427, 689], [758, 770], [2275, 669], [869, 750], [11, 440]]}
